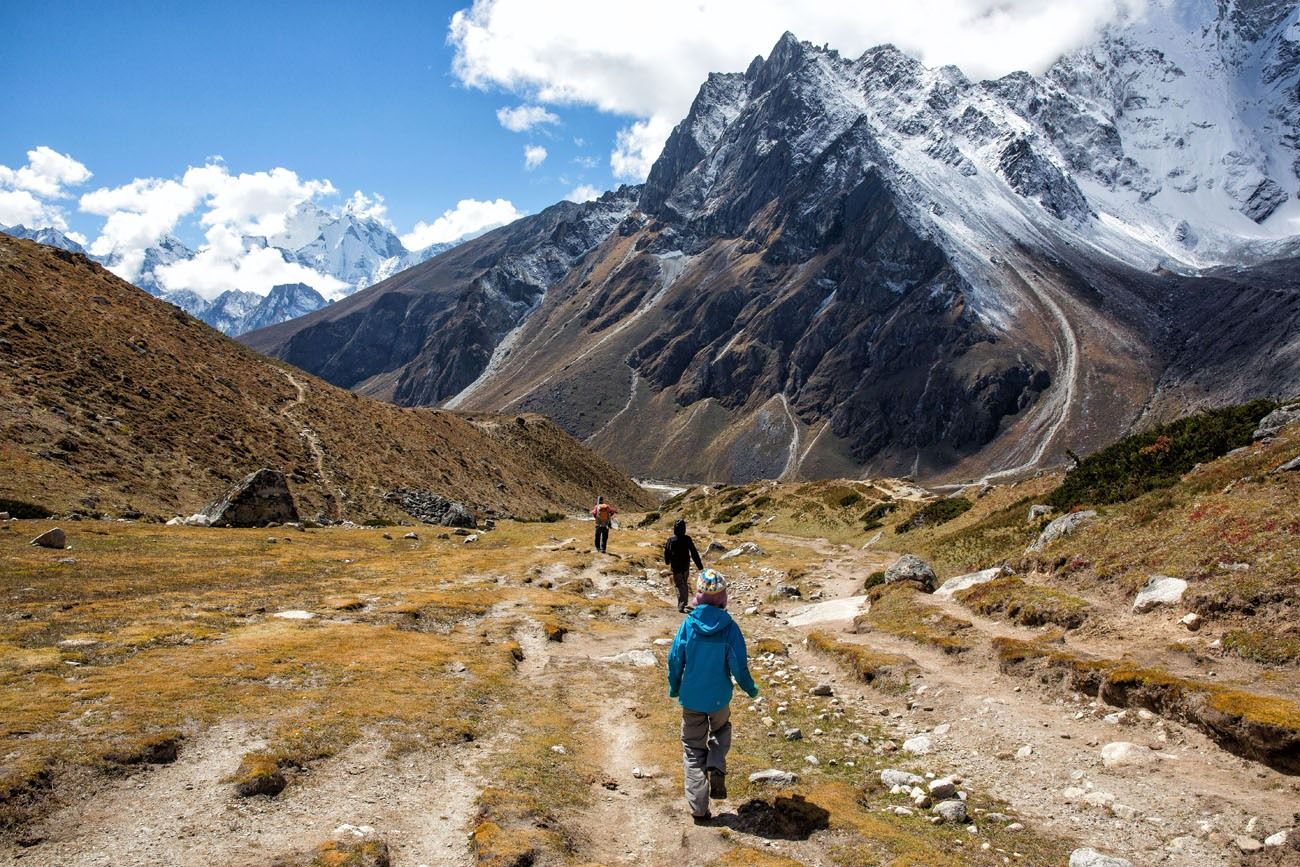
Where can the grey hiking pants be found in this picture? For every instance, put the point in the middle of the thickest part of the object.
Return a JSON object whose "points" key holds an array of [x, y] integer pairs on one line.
{"points": [[706, 738]]}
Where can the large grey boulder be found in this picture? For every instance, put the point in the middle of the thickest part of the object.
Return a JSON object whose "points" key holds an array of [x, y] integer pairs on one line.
{"points": [[912, 568], [1062, 526], [432, 508], [1159, 590], [54, 538], [260, 499], [1271, 425], [952, 586], [1093, 858]]}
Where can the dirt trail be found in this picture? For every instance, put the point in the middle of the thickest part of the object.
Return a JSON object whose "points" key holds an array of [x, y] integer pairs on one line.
{"points": [[334, 495], [1179, 810]]}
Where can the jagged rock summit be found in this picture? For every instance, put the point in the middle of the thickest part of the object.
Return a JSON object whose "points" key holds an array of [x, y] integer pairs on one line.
{"points": [[846, 265]]}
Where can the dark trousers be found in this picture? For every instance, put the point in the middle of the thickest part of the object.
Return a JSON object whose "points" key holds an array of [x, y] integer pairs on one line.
{"points": [[602, 538], [681, 581]]}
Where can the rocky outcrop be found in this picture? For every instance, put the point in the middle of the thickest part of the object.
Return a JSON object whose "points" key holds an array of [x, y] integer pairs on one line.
{"points": [[259, 499], [1062, 526], [950, 587], [914, 570], [432, 508]]}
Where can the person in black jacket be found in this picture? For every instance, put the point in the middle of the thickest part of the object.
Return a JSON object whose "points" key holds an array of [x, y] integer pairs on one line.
{"points": [[679, 550]]}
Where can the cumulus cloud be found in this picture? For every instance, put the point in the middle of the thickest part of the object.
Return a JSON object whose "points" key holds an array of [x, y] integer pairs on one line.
{"points": [[578, 51], [365, 207], [522, 118], [583, 193], [469, 217], [534, 156], [226, 261], [25, 192]]}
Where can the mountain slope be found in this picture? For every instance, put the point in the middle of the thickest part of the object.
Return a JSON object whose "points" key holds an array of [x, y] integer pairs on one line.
{"points": [[114, 401], [841, 266]]}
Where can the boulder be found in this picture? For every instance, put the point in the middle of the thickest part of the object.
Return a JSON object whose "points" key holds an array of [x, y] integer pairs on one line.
{"points": [[1159, 590], [1288, 467], [745, 548], [952, 811], [260, 499], [918, 746], [892, 777], [950, 587], [943, 787], [1271, 425], [715, 547], [4, 516], [912, 568], [1093, 858], [1038, 510], [1062, 526], [54, 538], [773, 777], [432, 508]]}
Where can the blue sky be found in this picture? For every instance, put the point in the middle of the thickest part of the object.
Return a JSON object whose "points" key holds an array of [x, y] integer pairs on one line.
{"points": [[356, 93]]}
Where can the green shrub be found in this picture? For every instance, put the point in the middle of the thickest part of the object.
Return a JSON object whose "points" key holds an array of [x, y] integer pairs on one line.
{"points": [[760, 502], [1157, 458], [873, 580], [850, 500], [649, 519], [936, 513], [728, 513], [739, 527], [875, 516], [546, 518]]}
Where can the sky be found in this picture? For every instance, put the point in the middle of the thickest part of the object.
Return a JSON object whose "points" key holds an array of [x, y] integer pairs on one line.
{"points": [[124, 121]]}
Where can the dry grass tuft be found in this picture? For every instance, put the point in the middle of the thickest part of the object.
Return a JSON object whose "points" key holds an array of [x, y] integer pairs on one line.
{"points": [[897, 609], [878, 669], [1025, 604]]}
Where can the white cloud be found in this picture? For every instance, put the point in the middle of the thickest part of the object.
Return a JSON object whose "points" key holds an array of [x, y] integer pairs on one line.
{"points": [[469, 217], [534, 156], [522, 118], [46, 174], [583, 193], [578, 52], [225, 262], [365, 207], [21, 208]]}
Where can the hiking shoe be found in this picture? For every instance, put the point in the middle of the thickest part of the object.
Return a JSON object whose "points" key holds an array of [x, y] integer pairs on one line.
{"points": [[702, 820], [717, 784]]}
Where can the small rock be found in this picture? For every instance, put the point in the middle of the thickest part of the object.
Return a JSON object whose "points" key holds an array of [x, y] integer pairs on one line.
{"points": [[745, 548], [917, 746], [472, 537], [898, 811], [1062, 526], [1093, 858], [1248, 844], [774, 777], [294, 614], [950, 587], [1288, 467], [943, 787], [1038, 510], [1123, 811], [1099, 799], [812, 760], [793, 734], [559, 750], [911, 568], [1191, 620], [1118, 754], [892, 777], [950, 811], [412, 535], [1278, 839], [1159, 590], [823, 689], [639, 658], [1024, 752], [942, 729], [54, 538]]}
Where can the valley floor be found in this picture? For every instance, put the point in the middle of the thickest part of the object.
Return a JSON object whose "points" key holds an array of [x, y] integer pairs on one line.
{"points": [[502, 701]]}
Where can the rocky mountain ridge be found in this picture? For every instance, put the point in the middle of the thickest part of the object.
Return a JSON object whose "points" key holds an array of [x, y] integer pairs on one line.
{"points": [[839, 266]]}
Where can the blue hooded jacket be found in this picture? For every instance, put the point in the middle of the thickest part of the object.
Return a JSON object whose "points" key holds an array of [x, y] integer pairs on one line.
{"points": [[706, 654]]}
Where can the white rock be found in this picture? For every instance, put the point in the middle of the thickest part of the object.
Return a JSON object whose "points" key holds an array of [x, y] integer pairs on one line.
{"points": [[917, 746], [1278, 839], [1062, 526], [1073, 793], [1191, 620], [1123, 811], [472, 537], [774, 777], [1093, 858], [640, 658], [950, 587], [560, 750], [663, 642], [892, 777], [942, 729], [950, 811], [812, 760], [295, 614], [1118, 754], [1159, 590], [1099, 799], [745, 548], [1024, 752], [943, 787]]}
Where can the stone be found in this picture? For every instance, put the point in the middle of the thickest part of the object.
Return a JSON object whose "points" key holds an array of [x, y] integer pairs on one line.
{"points": [[1278, 839], [1191, 620], [412, 535], [53, 538], [4, 516], [774, 777], [639, 658], [793, 734], [1062, 526], [1093, 858], [1123, 811], [911, 568], [749, 548], [891, 777], [822, 689], [1024, 752], [472, 537], [1159, 590], [943, 787], [294, 614], [1038, 510], [1288, 467], [432, 508], [260, 499], [917, 746], [1271, 425], [1119, 754], [812, 760], [950, 587], [787, 590], [1248, 844], [953, 811]]}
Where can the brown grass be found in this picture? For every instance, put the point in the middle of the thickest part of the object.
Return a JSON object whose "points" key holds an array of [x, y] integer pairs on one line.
{"points": [[897, 609], [1025, 604], [873, 667]]}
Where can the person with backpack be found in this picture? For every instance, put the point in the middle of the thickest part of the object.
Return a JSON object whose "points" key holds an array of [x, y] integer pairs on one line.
{"points": [[707, 653], [679, 550], [604, 515]]}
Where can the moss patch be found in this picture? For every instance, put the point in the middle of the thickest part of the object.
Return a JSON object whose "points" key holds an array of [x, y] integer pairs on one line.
{"points": [[1025, 604], [879, 669], [898, 609]]}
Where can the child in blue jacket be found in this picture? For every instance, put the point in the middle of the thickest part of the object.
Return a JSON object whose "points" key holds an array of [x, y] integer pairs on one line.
{"points": [[706, 654]]}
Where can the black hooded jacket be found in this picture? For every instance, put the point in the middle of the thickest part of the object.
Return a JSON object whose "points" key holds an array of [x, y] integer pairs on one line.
{"points": [[679, 550]]}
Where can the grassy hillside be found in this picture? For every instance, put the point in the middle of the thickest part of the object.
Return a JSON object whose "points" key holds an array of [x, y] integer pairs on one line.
{"points": [[112, 401]]}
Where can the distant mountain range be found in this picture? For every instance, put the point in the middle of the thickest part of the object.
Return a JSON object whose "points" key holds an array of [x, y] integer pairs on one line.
{"points": [[360, 251], [841, 266]]}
